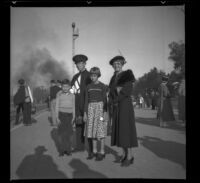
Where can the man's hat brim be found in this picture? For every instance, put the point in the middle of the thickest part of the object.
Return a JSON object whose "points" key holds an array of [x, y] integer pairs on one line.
{"points": [[79, 58], [117, 58]]}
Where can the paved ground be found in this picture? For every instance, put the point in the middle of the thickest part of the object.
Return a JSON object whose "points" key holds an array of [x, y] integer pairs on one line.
{"points": [[161, 152]]}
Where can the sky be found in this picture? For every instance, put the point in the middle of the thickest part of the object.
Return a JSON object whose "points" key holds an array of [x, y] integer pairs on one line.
{"points": [[140, 34]]}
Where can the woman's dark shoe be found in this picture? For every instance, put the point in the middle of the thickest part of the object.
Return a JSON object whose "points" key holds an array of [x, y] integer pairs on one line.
{"points": [[122, 159], [127, 162]]}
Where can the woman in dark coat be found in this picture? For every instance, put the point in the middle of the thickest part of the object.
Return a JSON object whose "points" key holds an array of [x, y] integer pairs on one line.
{"points": [[165, 111], [122, 112], [181, 101]]}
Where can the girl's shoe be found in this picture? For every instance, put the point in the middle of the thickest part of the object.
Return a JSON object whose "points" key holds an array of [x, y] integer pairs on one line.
{"points": [[91, 155], [100, 157]]}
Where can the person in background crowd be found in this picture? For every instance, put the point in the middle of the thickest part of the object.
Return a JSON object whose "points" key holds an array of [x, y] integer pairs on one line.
{"points": [[157, 99], [59, 84], [65, 115], [79, 83], [165, 112], [153, 100], [54, 89], [147, 104], [141, 101], [95, 114], [23, 100], [18, 100], [48, 102], [123, 117], [181, 100]]}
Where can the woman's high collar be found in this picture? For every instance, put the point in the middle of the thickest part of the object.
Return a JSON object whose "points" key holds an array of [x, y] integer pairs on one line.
{"points": [[82, 71]]}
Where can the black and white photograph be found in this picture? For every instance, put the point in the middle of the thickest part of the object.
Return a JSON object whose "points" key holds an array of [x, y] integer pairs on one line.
{"points": [[97, 92]]}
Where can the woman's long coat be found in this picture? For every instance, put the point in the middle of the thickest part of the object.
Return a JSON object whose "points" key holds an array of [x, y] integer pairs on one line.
{"points": [[122, 112], [165, 110]]}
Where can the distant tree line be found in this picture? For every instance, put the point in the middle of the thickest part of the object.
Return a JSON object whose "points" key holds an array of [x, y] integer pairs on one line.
{"points": [[40, 94], [150, 81]]}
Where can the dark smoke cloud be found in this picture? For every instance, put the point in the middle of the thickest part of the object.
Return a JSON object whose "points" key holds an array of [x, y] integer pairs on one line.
{"points": [[39, 67]]}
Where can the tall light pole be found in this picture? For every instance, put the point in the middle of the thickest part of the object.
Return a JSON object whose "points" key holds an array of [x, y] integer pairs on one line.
{"points": [[75, 34]]}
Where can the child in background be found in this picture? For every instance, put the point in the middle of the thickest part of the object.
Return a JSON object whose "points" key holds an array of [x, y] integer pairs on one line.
{"points": [[65, 114], [141, 99], [95, 114]]}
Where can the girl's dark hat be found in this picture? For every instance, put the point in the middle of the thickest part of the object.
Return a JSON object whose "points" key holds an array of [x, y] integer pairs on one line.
{"points": [[79, 58], [117, 58]]}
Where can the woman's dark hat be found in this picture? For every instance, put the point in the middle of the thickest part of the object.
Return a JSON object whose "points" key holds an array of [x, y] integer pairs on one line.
{"points": [[165, 78], [117, 58], [79, 58]]}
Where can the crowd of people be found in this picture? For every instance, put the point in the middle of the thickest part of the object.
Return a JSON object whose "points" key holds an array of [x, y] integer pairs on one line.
{"points": [[86, 107]]}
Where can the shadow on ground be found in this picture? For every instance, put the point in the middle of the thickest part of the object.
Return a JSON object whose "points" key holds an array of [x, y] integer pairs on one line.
{"points": [[109, 150], [81, 170], [50, 121], [155, 122], [55, 137], [39, 166], [170, 150]]}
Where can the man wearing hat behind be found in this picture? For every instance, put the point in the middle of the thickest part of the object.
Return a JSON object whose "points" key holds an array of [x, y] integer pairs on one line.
{"points": [[79, 83], [23, 99], [165, 111]]}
